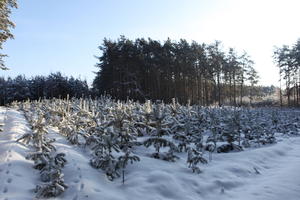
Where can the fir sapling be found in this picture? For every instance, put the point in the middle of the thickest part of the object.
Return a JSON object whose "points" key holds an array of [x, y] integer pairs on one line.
{"points": [[106, 145], [45, 159], [186, 130], [194, 158], [117, 135], [144, 124], [124, 160], [215, 129], [52, 176], [231, 132], [52, 189], [157, 139]]}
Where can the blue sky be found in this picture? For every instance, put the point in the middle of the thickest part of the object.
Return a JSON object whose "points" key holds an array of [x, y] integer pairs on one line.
{"points": [[64, 35]]}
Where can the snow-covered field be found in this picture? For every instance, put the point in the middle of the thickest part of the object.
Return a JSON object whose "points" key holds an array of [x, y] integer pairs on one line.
{"points": [[270, 172]]}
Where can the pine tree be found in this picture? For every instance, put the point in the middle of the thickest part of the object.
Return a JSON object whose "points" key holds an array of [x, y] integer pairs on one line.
{"points": [[5, 25]]}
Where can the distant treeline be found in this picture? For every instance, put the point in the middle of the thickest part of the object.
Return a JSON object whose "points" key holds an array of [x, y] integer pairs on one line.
{"points": [[150, 69], [54, 85]]}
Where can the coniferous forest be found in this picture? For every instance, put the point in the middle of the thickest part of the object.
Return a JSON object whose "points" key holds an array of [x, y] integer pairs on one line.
{"points": [[288, 62], [149, 69], [54, 85]]}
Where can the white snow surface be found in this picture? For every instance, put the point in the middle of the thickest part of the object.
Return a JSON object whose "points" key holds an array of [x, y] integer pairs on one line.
{"points": [[266, 173]]}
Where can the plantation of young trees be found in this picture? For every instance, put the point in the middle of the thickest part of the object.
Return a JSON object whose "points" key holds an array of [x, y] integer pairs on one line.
{"points": [[148, 69], [288, 61], [119, 133]]}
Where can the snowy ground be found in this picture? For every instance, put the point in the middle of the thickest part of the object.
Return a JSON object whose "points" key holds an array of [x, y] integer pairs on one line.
{"points": [[267, 173], [17, 177]]}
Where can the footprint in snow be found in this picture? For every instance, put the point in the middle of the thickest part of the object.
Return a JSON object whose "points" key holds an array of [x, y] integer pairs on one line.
{"points": [[7, 172], [76, 181], [75, 198], [9, 180], [5, 190], [18, 175], [97, 190], [81, 186], [79, 170]]}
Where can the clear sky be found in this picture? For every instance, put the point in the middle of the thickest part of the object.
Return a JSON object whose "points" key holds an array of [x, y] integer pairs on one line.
{"points": [[64, 35]]}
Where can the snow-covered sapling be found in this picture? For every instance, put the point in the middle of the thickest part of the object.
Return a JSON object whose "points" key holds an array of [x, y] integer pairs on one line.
{"points": [[103, 157], [184, 129], [157, 139], [195, 157], [1, 127], [143, 124], [124, 160], [52, 189], [231, 132]]}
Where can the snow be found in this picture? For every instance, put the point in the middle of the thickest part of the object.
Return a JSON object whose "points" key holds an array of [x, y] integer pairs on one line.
{"points": [[17, 177], [265, 173]]}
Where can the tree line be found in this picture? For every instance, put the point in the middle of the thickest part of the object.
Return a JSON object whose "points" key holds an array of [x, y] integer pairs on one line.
{"points": [[288, 62], [149, 69], [54, 85]]}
